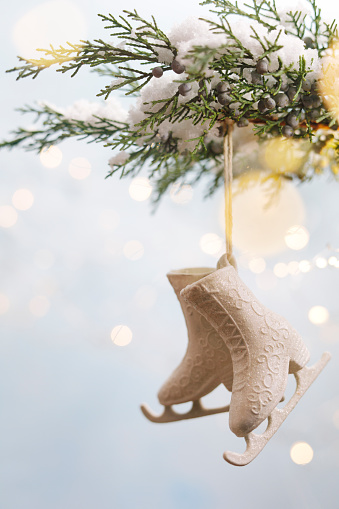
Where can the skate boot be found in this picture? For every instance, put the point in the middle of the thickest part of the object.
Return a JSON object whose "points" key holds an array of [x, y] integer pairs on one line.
{"points": [[264, 349], [206, 364]]}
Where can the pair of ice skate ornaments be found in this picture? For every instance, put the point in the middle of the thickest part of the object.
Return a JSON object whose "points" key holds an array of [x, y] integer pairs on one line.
{"points": [[236, 341]]}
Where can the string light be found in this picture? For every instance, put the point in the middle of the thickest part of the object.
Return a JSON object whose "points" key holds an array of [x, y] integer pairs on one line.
{"points": [[133, 250], [257, 265], [318, 315], [80, 168], [181, 194], [52, 22], [305, 266], [258, 228], [8, 216], [23, 199], [297, 237], [212, 244], [293, 268], [140, 189], [333, 261], [51, 157], [281, 270], [301, 453], [321, 262], [121, 335]]}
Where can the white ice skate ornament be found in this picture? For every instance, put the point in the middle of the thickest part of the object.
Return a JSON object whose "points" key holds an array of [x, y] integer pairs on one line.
{"points": [[233, 339], [206, 364]]}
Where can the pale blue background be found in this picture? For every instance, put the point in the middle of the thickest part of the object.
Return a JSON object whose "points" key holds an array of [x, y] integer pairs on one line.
{"points": [[72, 435]]}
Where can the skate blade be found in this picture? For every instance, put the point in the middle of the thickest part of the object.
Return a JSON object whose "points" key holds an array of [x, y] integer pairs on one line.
{"points": [[170, 415], [255, 443]]}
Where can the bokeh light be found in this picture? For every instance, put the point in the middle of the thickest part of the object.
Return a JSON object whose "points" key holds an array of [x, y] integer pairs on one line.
{"points": [[39, 305], [51, 157], [181, 194], [328, 84], [8, 216], [4, 304], [211, 244], [332, 261], [305, 266], [121, 335], [140, 189], [283, 155], [22, 199], [259, 226], [321, 262], [281, 270], [318, 315], [293, 268], [79, 168], [301, 453], [133, 250], [54, 22], [257, 265], [297, 237]]}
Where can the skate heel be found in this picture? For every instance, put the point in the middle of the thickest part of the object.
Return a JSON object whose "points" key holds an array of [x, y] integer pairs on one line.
{"points": [[300, 355]]}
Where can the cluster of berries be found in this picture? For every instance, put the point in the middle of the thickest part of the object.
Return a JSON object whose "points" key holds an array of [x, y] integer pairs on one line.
{"points": [[288, 105]]}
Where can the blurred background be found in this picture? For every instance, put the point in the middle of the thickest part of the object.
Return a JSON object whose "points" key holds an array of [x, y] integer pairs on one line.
{"points": [[90, 327]]}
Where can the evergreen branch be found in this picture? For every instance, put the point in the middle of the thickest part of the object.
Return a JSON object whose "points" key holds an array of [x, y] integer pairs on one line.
{"points": [[139, 46], [263, 9], [56, 128]]}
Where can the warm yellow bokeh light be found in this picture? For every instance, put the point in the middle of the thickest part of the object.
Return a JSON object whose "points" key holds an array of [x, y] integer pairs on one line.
{"points": [[181, 194], [39, 306], [79, 168], [4, 304], [305, 266], [280, 270], [8, 216], [293, 268], [133, 250], [333, 260], [22, 199], [54, 22], [140, 189], [121, 335], [283, 155], [329, 83], [258, 228], [257, 265], [211, 244], [51, 157], [301, 453], [318, 315], [297, 237], [321, 262]]}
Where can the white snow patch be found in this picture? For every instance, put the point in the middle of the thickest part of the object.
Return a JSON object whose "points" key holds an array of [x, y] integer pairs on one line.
{"points": [[119, 159]]}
